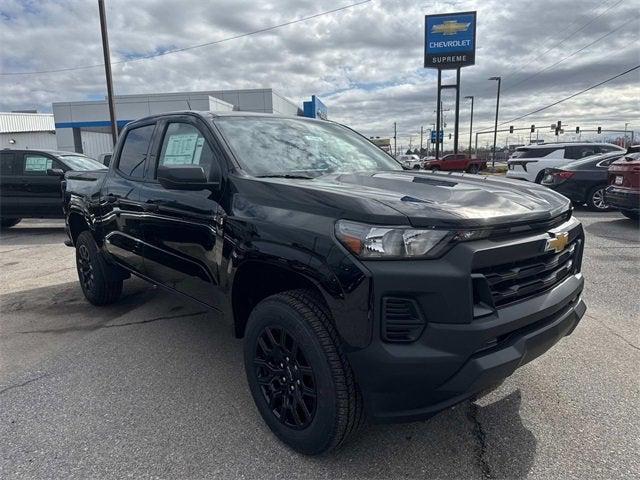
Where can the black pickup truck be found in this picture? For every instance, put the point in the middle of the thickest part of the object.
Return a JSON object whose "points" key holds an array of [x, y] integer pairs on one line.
{"points": [[361, 290]]}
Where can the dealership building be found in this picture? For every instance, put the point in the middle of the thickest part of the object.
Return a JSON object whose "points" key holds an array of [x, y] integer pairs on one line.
{"points": [[84, 127]]}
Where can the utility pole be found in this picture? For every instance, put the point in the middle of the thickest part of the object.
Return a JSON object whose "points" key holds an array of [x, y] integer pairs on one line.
{"points": [[457, 121], [470, 123], [495, 128], [395, 140], [107, 71], [625, 134], [421, 134]]}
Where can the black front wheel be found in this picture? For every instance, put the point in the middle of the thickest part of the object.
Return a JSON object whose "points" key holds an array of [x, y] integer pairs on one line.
{"points": [[474, 169], [299, 378], [101, 283]]}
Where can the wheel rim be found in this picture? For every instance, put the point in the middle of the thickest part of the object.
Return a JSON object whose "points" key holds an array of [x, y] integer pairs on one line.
{"points": [[598, 199], [85, 268], [285, 378]]}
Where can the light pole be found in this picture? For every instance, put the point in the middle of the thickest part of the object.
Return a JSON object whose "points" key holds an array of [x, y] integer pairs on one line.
{"points": [[625, 134], [495, 128], [471, 123], [107, 71]]}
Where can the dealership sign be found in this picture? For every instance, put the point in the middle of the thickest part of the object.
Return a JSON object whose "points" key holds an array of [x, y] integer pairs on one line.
{"points": [[450, 40]]}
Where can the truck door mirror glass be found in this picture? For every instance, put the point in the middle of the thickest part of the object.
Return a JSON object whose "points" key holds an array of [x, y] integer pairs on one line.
{"points": [[184, 177], [55, 172]]}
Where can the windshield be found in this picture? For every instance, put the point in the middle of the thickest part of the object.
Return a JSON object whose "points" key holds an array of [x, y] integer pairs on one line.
{"points": [[79, 163], [296, 147]]}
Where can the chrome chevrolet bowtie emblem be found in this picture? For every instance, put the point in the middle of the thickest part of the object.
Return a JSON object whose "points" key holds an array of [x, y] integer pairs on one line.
{"points": [[450, 27], [558, 243]]}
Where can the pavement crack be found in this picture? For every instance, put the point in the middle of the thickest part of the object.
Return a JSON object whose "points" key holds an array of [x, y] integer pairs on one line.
{"points": [[90, 328], [481, 439], [18, 385], [612, 330]]}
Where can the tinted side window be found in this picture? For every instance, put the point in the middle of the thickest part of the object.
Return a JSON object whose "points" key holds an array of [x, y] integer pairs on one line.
{"points": [[608, 148], [10, 164], [134, 151], [575, 153], [184, 144], [538, 152]]}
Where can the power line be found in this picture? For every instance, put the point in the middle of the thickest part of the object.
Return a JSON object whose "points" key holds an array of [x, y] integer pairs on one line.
{"points": [[570, 55], [191, 47], [568, 98]]}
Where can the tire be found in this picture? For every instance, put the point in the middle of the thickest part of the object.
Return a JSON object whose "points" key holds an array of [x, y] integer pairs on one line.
{"points": [[101, 283], [281, 380], [635, 216], [435, 169], [595, 199], [416, 167], [539, 177], [9, 222], [473, 169]]}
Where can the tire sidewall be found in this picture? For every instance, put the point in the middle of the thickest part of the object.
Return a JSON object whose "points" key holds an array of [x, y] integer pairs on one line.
{"points": [[590, 199], [318, 435]]}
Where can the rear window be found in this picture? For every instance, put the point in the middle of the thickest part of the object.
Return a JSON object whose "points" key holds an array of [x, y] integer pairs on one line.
{"points": [[134, 151]]}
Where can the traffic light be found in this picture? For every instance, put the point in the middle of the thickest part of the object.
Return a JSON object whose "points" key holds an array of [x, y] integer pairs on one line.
{"points": [[510, 128], [577, 129], [559, 126], [599, 129], [533, 129], [449, 136]]}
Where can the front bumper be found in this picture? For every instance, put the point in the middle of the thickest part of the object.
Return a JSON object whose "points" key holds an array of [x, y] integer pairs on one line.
{"points": [[464, 349], [622, 198]]}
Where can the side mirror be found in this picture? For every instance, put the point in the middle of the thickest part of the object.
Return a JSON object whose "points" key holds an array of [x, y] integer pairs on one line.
{"points": [[184, 177], [55, 172]]}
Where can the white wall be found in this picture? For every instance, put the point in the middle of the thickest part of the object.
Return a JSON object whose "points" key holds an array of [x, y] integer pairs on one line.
{"points": [[31, 140], [95, 143]]}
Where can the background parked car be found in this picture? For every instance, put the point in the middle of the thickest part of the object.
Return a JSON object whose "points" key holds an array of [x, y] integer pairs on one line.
{"points": [[30, 182], [529, 163], [623, 191], [410, 161], [456, 162], [582, 181]]}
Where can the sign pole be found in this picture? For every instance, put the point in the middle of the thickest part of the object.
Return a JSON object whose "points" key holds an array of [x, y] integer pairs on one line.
{"points": [[438, 108], [107, 70], [457, 122]]}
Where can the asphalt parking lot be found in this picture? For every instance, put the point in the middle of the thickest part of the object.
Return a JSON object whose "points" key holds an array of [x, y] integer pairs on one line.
{"points": [[154, 386]]}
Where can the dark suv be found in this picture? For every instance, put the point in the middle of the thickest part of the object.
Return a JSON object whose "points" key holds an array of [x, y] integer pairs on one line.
{"points": [[30, 182], [361, 290]]}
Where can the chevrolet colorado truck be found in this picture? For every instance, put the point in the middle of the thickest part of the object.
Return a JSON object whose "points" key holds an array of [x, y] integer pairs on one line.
{"points": [[361, 290]]}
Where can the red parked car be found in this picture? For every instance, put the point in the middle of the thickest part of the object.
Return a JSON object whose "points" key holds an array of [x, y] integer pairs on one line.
{"points": [[623, 192], [456, 162]]}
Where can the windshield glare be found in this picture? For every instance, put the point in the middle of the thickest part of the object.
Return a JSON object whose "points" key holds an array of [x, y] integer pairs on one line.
{"points": [[80, 163], [287, 146]]}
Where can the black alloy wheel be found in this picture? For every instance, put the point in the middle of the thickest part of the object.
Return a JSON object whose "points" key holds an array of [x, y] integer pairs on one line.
{"points": [[85, 270], [474, 169], [285, 377]]}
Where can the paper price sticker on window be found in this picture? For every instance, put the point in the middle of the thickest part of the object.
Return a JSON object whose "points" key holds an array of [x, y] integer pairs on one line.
{"points": [[183, 149]]}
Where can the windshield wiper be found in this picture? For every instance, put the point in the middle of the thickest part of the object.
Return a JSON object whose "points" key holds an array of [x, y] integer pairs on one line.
{"points": [[286, 175]]}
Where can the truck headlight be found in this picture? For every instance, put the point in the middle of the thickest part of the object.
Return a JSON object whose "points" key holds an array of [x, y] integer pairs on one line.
{"points": [[371, 242]]}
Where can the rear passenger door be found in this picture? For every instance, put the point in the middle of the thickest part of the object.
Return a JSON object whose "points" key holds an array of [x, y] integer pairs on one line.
{"points": [[121, 210], [11, 191], [182, 230]]}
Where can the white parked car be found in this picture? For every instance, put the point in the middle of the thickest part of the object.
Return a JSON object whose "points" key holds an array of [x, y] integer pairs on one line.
{"points": [[529, 163], [410, 161]]}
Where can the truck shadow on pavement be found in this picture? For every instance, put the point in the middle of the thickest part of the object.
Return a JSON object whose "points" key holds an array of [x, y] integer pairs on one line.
{"points": [[163, 369]]}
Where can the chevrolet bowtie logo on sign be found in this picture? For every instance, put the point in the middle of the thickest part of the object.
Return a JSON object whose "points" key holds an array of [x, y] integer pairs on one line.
{"points": [[450, 40], [450, 27], [558, 243]]}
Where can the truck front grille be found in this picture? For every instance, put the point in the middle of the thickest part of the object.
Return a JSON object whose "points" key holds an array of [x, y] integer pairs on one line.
{"points": [[514, 281]]}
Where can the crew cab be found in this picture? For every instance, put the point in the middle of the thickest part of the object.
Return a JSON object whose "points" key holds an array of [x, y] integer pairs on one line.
{"points": [[623, 191], [361, 290], [30, 182], [456, 162], [530, 162]]}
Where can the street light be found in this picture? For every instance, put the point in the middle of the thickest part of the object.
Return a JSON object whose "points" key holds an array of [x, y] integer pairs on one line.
{"points": [[495, 128], [471, 123]]}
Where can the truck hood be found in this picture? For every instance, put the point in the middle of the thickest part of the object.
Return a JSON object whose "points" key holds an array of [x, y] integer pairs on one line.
{"points": [[435, 199]]}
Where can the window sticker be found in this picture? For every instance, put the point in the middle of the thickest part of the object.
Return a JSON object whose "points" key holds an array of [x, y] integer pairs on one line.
{"points": [[37, 164], [182, 149]]}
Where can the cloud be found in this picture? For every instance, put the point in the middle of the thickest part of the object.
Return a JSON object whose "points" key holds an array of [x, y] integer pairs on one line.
{"points": [[365, 62]]}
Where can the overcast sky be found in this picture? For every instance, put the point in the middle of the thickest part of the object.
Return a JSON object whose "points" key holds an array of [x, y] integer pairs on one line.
{"points": [[365, 63]]}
